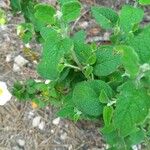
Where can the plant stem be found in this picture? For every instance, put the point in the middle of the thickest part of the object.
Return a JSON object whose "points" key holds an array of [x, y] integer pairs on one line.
{"points": [[76, 60], [72, 66]]}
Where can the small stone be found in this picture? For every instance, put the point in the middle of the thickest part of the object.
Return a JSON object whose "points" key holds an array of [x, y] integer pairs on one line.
{"points": [[36, 121], [106, 36], [70, 147], [35, 62], [30, 115], [52, 131], [16, 68], [134, 147], [97, 148], [42, 125], [16, 148], [106, 146], [84, 24], [63, 136], [20, 61], [21, 142], [8, 58], [56, 121]]}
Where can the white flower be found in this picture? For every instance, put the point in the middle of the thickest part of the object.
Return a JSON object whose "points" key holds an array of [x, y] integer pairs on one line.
{"points": [[5, 95]]}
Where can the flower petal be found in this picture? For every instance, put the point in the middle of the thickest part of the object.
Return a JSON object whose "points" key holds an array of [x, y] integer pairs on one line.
{"points": [[5, 97], [3, 85]]}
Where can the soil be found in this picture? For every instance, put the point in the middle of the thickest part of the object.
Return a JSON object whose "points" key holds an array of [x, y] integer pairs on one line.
{"points": [[16, 117]]}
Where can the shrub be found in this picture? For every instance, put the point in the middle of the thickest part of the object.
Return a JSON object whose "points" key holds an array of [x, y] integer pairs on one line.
{"points": [[87, 81]]}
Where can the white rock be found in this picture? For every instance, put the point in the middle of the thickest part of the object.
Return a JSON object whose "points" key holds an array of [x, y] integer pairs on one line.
{"points": [[70, 147], [106, 36], [30, 115], [84, 24], [42, 125], [136, 147], [35, 62], [52, 131], [16, 68], [36, 121], [56, 121], [20, 61], [97, 149], [21, 142], [15, 148], [63, 136], [8, 58]]}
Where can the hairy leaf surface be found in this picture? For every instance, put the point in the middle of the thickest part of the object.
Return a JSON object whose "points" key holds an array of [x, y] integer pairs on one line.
{"points": [[140, 42], [86, 96], [130, 16], [71, 11], [107, 62], [130, 60], [53, 52], [45, 13], [105, 17], [131, 109]]}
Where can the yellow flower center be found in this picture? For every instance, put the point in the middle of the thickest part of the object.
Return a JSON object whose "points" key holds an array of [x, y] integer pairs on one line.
{"points": [[1, 91]]}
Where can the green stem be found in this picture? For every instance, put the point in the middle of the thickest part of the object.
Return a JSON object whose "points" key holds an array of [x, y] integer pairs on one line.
{"points": [[72, 66], [76, 60]]}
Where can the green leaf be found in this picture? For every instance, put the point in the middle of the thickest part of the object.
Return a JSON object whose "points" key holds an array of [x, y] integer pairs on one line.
{"points": [[105, 17], [71, 11], [53, 52], [103, 97], [66, 112], [107, 115], [16, 5], [79, 36], [47, 32], [136, 137], [25, 31], [129, 17], [114, 140], [88, 71], [62, 2], [86, 97], [45, 13], [132, 107], [84, 53], [107, 62], [144, 2], [140, 42], [130, 60]]}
